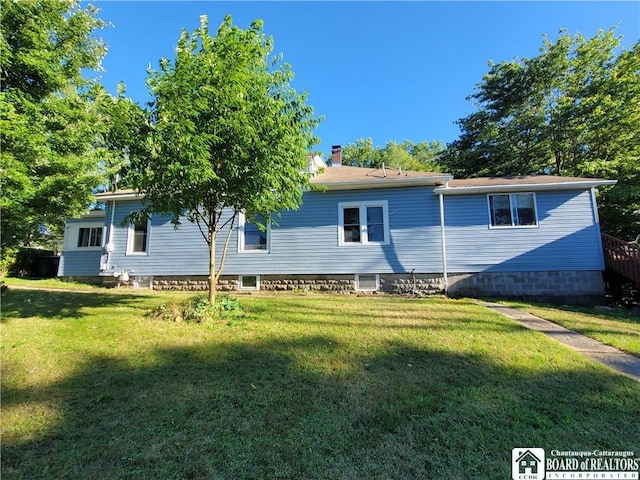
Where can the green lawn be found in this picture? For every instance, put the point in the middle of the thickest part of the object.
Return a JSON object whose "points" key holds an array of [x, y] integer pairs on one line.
{"points": [[48, 283], [618, 328], [295, 387]]}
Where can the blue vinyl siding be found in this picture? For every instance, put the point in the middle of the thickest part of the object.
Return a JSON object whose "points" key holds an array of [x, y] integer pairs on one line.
{"points": [[79, 262], [566, 238], [304, 241]]}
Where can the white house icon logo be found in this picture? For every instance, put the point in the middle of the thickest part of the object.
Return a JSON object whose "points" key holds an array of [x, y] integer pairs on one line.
{"points": [[527, 464]]}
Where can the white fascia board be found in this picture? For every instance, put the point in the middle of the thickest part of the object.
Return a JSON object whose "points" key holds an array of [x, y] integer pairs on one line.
{"points": [[384, 183], [522, 187], [108, 196]]}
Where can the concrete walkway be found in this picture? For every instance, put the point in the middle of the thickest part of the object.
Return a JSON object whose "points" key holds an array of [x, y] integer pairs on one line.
{"points": [[614, 358]]}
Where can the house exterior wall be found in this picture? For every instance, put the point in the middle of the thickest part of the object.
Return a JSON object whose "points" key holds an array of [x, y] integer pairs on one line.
{"points": [[559, 258], [304, 241], [567, 237], [79, 262]]}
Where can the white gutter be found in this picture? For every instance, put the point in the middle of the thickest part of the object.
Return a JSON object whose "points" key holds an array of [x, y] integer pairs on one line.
{"points": [[126, 195], [596, 220], [445, 278], [109, 246], [522, 187]]}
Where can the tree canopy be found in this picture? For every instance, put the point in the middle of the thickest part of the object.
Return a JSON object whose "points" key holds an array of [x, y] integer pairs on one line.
{"points": [[228, 133], [406, 155], [572, 110], [50, 122]]}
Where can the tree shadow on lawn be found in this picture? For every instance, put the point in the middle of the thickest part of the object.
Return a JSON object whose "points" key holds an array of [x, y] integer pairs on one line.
{"points": [[456, 316], [51, 304], [257, 410]]}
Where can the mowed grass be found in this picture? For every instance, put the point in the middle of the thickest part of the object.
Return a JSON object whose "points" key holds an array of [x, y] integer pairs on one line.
{"points": [[294, 387], [618, 328], [47, 283]]}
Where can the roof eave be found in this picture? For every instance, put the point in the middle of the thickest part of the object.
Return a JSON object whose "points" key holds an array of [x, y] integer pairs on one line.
{"points": [[107, 196], [523, 187], [385, 183]]}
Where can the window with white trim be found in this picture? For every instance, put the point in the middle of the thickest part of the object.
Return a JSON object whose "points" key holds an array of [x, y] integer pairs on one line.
{"points": [[251, 237], [89, 237], [368, 283], [249, 282], [513, 210], [138, 238], [363, 223]]}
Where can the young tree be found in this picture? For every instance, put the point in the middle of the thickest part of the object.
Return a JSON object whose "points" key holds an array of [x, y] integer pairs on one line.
{"points": [[229, 135], [572, 110], [49, 121]]}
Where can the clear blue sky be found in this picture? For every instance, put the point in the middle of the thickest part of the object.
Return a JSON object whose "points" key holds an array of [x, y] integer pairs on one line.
{"points": [[385, 70]]}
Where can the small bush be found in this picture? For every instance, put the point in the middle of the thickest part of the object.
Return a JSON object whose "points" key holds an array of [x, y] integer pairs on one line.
{"points": [[225, 303], [7, 260], [196, 309]]}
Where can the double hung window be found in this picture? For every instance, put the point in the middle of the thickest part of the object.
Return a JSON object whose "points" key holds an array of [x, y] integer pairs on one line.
{"points": [[513, 210], [89, 237], [253, 238], [363, 223], [138, 241]]}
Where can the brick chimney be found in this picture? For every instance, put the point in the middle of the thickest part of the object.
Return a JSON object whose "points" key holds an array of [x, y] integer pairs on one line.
{"points": [[336, 156]]}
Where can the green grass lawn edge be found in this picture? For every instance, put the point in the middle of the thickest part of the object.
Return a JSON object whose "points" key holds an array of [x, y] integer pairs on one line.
{"points": [[618, 328]]}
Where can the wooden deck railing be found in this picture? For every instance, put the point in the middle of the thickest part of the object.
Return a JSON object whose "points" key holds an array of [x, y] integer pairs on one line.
{"points": [[622, 257]]}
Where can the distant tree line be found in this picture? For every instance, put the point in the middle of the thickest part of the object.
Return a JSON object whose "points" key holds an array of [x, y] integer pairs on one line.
{"points": [[406, 155]]}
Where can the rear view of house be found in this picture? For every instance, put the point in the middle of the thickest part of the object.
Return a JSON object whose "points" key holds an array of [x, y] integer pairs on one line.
{"points": [[370, 230]]}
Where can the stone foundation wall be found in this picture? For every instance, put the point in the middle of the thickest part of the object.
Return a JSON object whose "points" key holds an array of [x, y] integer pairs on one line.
{"points": [[570, 287], [317, 283], [561, 287], [407, 283], [193, 283], [389, 283]]}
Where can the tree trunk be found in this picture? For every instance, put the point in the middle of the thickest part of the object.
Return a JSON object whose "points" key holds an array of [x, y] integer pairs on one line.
{"points": [[212, 267]]}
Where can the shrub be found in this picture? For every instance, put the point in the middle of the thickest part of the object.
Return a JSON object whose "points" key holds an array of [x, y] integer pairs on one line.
{"points": [[8, 260], [29, 262], [196, 309]]}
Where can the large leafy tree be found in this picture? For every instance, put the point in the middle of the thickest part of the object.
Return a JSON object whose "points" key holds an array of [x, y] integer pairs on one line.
{"points": [[406, 155], [125, 136], [572, 110], [50, 122], [229, 134]]}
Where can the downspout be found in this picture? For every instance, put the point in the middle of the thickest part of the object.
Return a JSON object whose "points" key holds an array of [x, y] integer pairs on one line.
{"points": [[109, 246], [596, 220], [445, 278]]}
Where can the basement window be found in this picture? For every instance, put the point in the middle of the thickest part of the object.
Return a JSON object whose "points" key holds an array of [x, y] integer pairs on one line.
{"points": [[249, 282], [143, 281], [368, 283]]}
